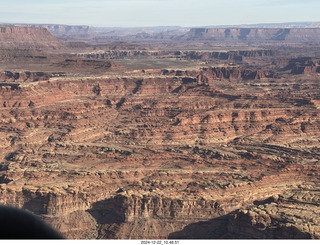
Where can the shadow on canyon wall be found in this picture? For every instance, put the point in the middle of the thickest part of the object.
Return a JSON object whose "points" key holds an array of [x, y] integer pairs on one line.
{"points": [[223, 228], [111, 213], [108, 211], [216, 228]]}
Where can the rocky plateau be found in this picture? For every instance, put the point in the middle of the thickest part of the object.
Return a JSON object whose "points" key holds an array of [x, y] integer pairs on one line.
{"points": [[255, 35], [162, 142]]}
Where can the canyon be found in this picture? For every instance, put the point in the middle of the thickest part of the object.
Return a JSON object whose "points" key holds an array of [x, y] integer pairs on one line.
{"points": [[125, 141]]}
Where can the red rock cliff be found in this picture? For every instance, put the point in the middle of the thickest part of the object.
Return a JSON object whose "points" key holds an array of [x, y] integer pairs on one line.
{"points": [[25, 34]]}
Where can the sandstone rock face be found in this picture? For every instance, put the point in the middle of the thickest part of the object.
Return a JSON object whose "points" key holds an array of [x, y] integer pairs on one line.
{"points": [[281, 217], [9, 76], [141, 156], [25, 34], [278, 217], [305, 65], [21, 37]]}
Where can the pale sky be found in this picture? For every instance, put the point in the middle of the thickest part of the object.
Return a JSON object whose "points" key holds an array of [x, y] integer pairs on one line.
{"points": [[138, 13]]}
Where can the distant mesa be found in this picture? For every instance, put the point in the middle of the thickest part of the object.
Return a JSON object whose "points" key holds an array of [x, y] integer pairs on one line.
{"points": [[26, 34], [65, 31], [249, 35], [255, 35], [28, 38]]}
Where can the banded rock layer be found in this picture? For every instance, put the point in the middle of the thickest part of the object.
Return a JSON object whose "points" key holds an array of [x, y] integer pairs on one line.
{"points": [[255, 35], [23, 37], [149, 156]]}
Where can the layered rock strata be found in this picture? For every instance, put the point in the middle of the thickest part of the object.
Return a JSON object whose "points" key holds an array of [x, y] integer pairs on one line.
{"points": [[255, 35], [25, 34], [23, 37], [27, 76], [190, 55], [146, 156]]}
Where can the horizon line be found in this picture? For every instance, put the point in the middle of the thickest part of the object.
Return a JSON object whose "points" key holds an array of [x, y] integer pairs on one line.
{"points": [[169, 26]]}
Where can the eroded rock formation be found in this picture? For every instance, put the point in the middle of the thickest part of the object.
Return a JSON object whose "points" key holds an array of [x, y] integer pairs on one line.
{"points": [[302, 65], [148, 157], [25, 34], [9, 76], [218, 150], [27, 37], [193, 55]]}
